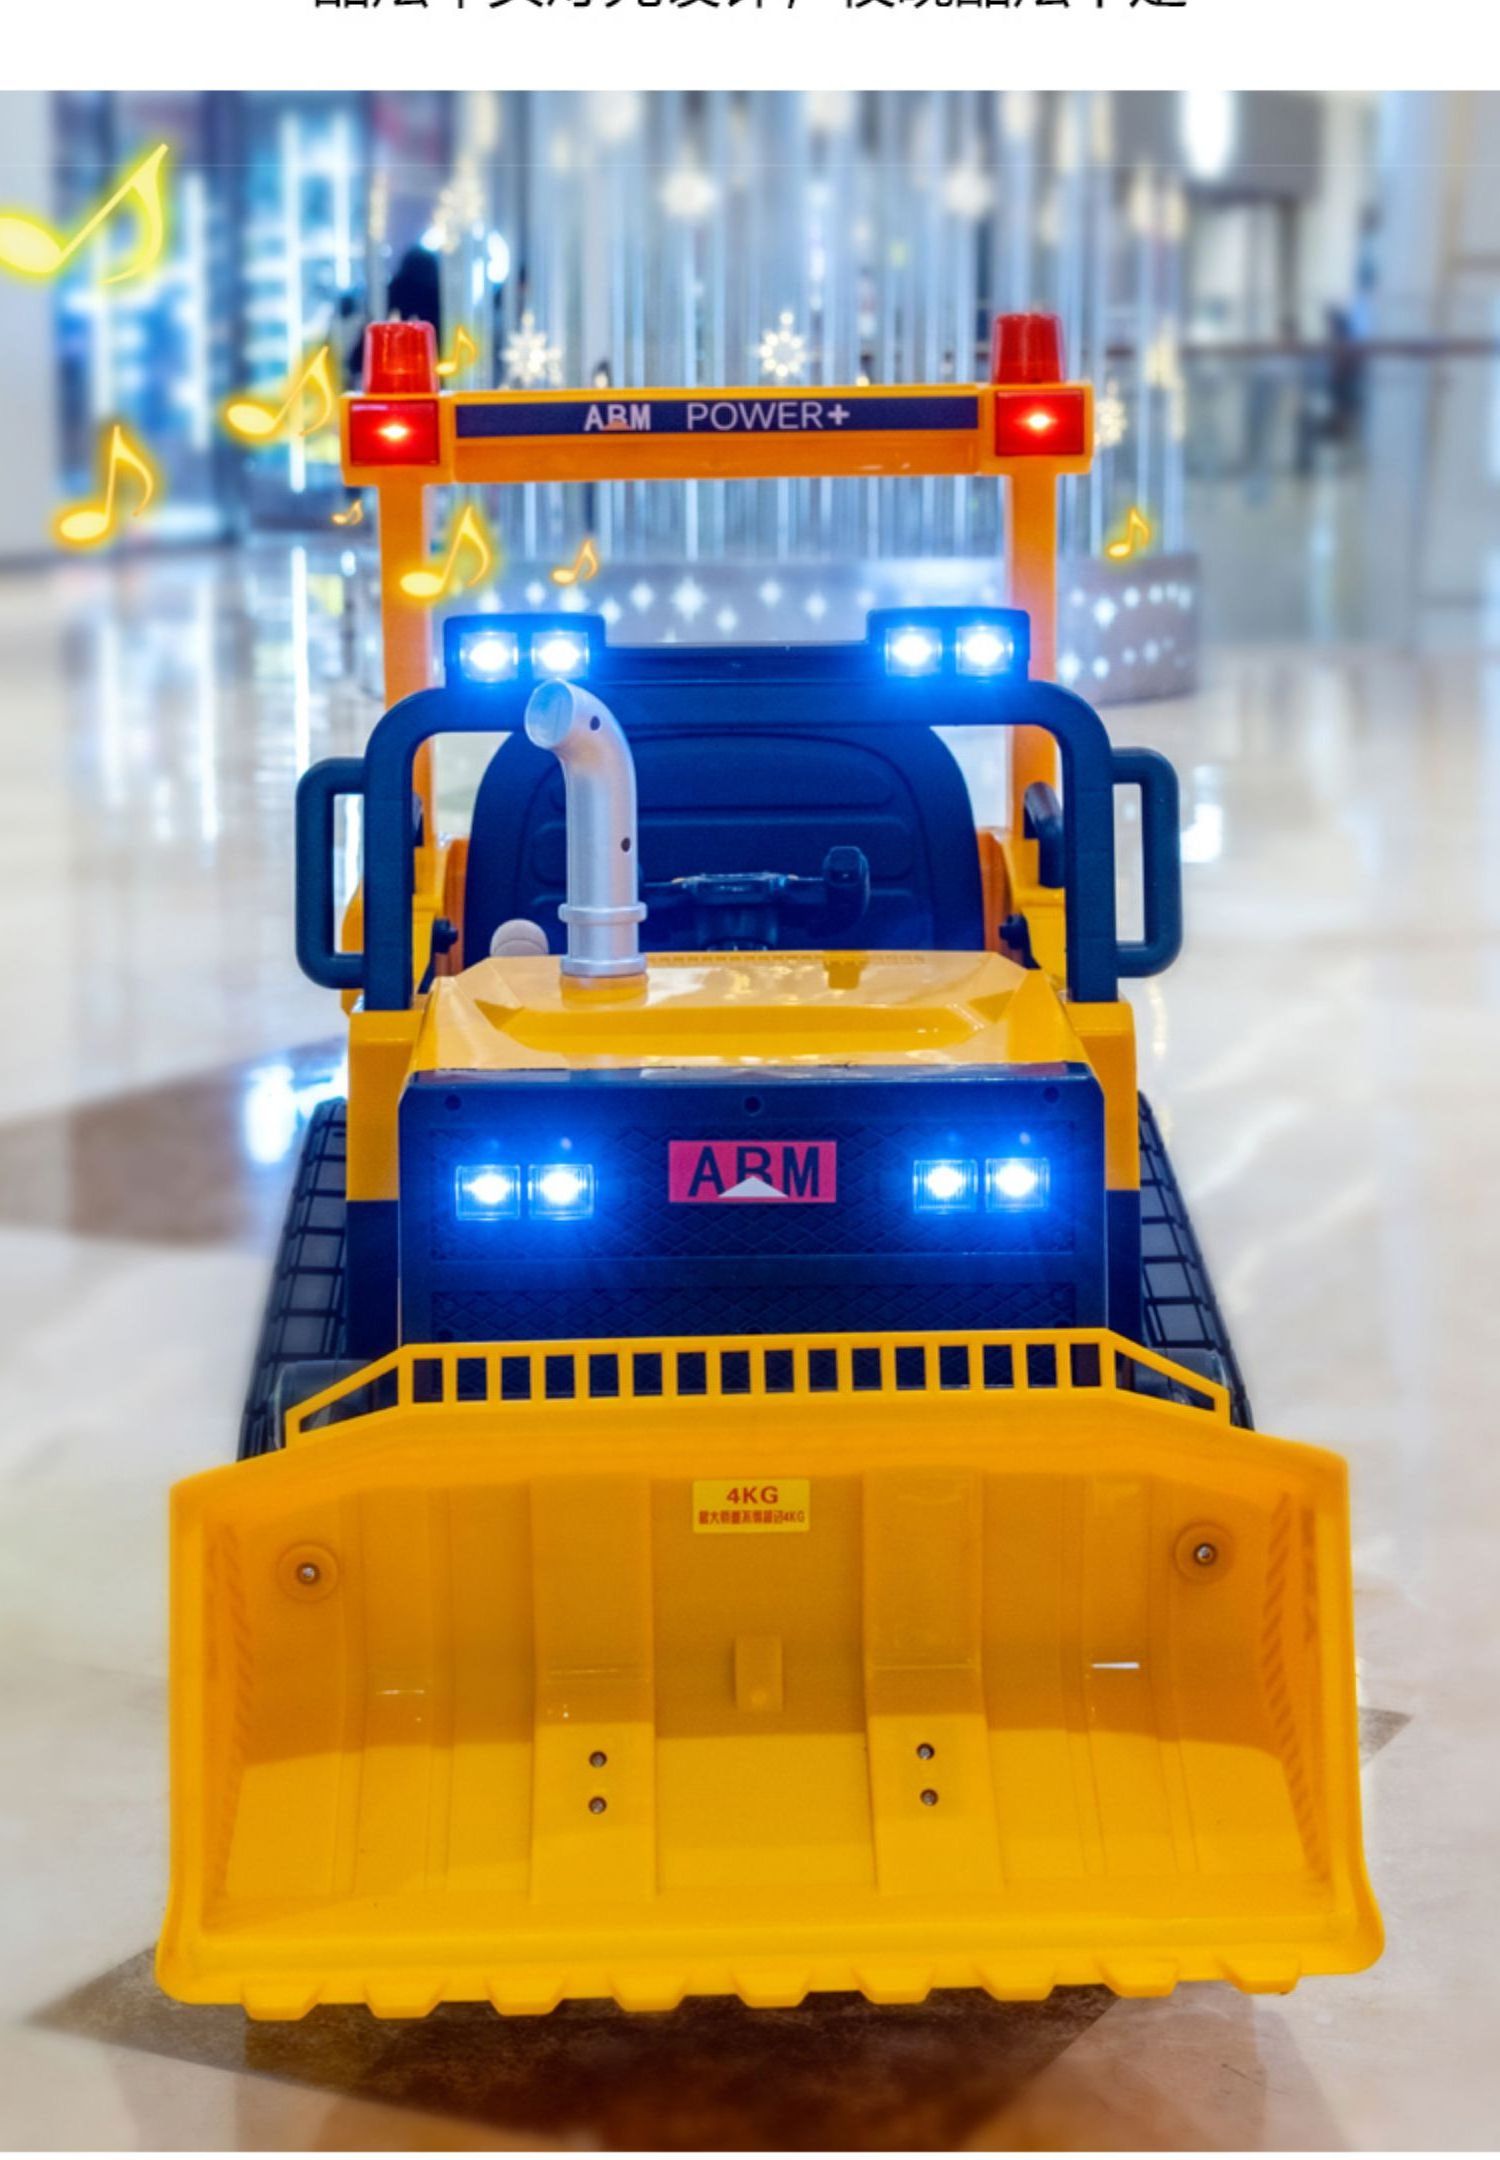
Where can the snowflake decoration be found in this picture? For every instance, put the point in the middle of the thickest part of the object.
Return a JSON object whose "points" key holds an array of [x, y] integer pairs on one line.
{"points": [[460, 207], [531, 357], [782, 352], [1111, 419], [816, 606], [689, 599], [641, 597], [770, 593]]}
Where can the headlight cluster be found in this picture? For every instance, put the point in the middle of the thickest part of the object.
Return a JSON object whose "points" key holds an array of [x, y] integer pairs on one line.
{"points": [[952, 1185], [487, 654], [981, 647], [552, 1192]]}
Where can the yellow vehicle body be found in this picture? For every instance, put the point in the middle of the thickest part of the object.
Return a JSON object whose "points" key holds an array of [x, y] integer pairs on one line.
{"points": [[644, 1668]]}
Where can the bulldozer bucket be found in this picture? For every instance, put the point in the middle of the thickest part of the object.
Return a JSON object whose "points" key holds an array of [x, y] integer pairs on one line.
{"points": [[647, 1669]]}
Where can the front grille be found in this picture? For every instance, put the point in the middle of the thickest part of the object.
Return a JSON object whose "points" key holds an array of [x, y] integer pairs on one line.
{"points": [[644, 1263], [515, 1313]]}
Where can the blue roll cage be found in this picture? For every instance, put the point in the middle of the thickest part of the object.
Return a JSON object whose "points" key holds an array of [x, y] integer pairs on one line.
{"points": [[742, 679]]}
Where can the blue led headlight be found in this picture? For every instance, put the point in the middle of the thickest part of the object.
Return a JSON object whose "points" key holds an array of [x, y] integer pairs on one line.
{"points": [[945, 1186], [560, 1192], [984, 648], [559, 653], [985, 644], [489, 656], [487, 1192], [913, 649], [1016, 1181], [505, 651]]}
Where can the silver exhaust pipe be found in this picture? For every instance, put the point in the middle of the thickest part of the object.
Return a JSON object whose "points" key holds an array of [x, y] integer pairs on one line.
{"points": [[603, 910]]}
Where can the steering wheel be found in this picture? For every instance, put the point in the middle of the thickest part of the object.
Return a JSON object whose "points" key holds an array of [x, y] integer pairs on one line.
{"points": [[746, 910]]}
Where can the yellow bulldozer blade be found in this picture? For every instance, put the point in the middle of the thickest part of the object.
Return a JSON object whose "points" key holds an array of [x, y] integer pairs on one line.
{"points": [[647, 1669]]}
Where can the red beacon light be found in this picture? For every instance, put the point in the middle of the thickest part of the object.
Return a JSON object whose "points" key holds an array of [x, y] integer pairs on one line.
{"points": [[396, 421], [400, 357], [1035, 414]]}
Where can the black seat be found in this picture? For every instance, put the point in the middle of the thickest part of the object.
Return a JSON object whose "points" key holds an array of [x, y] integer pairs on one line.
{"points": [[747, 798]]}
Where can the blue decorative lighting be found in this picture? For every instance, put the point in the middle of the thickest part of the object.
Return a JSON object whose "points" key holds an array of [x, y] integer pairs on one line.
{"points": [[913, 649], [559, 652], [518, 648], [489, 656], [560, 1192], [985, 648], [1016, 1181], [984, 644], [945, 1186], [487, 1192]]}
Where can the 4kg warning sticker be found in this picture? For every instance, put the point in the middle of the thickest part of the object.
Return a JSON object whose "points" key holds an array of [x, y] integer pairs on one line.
{"points": [[726, 1504]]}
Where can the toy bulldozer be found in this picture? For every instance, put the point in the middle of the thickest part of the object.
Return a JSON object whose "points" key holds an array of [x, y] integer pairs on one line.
{"points": [[746, 1489]]}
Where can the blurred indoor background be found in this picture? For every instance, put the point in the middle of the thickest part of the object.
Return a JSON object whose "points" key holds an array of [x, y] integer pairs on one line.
{"points": [[1287, 303]]}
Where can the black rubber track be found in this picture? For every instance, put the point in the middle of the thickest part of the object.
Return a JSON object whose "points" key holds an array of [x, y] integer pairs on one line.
{"points": [[304, 1316], [1180, 1313]]}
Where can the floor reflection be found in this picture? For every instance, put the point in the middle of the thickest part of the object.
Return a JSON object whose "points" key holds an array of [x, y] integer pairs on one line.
{"points": [[838, 2074], [206, 1159]]}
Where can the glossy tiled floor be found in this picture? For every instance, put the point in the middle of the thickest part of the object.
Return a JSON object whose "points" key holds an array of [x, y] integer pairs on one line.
{"points": [[1324, 1059]]}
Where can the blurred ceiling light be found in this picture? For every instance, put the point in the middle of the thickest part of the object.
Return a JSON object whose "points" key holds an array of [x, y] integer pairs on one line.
{"points": [[481, 110], [615, 114], [829, 112], [1142, 204], [968, 191], [1210, 125], [1018, 115], [688, 193], [1111, 419]]}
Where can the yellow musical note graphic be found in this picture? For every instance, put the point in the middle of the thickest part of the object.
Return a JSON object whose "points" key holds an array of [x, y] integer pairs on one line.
{"points": [[465, 352], [256, 420], [89, 525], [1135, 537], [354, 515], [33, 249], [585, 565], [469, 531]]}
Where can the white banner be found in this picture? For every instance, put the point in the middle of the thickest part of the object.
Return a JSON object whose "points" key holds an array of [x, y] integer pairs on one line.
{"points": [[754, 44]]}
